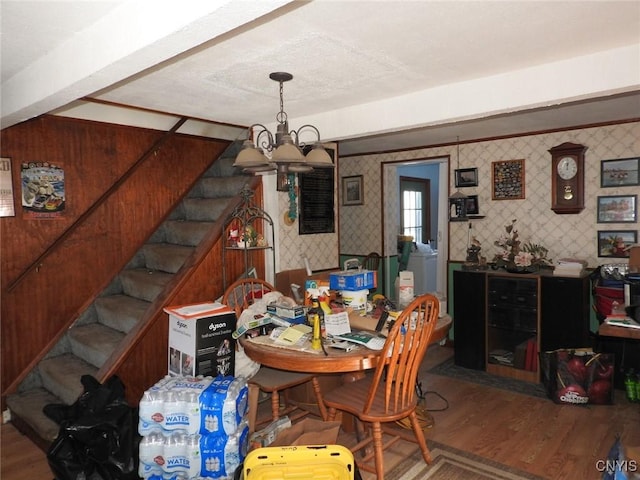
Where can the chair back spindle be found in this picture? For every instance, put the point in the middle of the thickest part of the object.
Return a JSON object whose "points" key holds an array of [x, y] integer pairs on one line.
{"points": [[403, 352]]}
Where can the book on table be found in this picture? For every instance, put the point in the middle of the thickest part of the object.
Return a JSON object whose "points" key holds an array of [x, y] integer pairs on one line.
{"points": [[621, 321]]}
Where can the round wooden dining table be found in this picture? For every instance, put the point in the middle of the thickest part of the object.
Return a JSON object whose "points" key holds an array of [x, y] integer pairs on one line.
{"points": [[350, 364], [265, 352]]}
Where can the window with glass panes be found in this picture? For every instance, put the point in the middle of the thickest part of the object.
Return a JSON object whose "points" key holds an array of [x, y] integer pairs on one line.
{"points": [[414, 206]]}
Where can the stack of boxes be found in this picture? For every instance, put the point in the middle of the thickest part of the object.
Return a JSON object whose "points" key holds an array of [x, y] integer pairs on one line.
{"points": [[354, 286], [193, 428]]}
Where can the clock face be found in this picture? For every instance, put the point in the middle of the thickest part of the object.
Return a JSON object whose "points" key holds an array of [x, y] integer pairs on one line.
{"points": [[567, 168]]}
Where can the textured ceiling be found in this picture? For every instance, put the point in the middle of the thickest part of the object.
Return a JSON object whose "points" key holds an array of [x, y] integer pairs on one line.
{"points": [[213, 64]]}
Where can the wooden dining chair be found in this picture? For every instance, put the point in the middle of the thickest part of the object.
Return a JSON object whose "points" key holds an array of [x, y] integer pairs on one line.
{"points": [[389, 394], [239, 296], [371, 261]]}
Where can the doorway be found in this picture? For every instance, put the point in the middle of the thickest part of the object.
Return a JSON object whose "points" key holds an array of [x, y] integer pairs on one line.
{"points": [[437, 171]]}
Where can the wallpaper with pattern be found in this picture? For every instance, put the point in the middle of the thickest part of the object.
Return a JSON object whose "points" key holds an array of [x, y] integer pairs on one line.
{"points": [[564, 235]]}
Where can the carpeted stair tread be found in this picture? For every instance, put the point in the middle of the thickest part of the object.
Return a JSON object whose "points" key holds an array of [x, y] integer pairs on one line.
{"points": [[166, 257], [144, 283], [185, 232], [204, 209], [94, 343], [223, 167], [216, 187], [120, 312], [61, 376], [28, 406]]}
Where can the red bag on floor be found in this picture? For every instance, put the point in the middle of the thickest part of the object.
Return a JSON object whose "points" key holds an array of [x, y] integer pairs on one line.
{"points": [[578, 376]]}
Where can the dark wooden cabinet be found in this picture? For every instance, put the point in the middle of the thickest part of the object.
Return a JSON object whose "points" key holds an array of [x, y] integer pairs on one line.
{"points": [[565, 318], [501, 320], [513, 326], [468, 312]]}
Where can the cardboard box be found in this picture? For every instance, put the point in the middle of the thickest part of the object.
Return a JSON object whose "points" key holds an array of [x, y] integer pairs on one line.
{"points": [[353, 280], [309, 432], [200, 339], [295, 314]]}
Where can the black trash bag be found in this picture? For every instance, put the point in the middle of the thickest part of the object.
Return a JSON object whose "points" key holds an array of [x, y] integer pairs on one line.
{"points": [[98, 437]]}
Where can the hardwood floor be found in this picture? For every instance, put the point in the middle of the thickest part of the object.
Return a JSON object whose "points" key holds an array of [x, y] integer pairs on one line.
{"points": [[20, 459], [553, 441]]}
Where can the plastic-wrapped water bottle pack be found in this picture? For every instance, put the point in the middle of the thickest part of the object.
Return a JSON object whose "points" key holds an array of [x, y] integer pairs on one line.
{"points": [[193, 428]]}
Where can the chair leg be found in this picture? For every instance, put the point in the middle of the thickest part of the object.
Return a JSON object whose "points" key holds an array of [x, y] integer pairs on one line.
{"points": [[331, 414], [275, 405], [377, 445], [319, 398], [417, 431], [252, 399]]}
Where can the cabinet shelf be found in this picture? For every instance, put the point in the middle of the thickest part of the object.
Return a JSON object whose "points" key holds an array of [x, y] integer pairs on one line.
{"points": [[512, 372], [466, 219], [513, 328], [511, 306]]}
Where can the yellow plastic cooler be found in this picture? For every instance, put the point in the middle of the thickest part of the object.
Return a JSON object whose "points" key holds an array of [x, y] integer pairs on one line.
{"points": [[317, 462]]}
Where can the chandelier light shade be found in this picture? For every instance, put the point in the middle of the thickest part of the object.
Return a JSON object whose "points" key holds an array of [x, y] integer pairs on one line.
{"points": [[287, 152], [250, 156], [318, 157], [284, 148]]}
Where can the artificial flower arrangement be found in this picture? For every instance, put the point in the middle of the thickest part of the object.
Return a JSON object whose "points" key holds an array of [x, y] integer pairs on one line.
{"points": [[514, 255], [244, 237], [249, 237]]}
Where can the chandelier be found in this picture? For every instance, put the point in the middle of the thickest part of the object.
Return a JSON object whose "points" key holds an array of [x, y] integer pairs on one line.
{"points": [[284, 148]]}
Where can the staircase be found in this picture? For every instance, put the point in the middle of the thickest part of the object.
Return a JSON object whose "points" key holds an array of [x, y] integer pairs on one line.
{"points": [[97, 333]]}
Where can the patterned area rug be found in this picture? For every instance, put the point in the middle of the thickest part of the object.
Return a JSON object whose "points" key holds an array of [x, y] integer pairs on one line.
{"points": [[449, 369], [452, 464]]}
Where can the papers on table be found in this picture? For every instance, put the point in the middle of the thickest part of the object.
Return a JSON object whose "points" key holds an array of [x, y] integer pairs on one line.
{"points": [[337, 323], [296, 335]]}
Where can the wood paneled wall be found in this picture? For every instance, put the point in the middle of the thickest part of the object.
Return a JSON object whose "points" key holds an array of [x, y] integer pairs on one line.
{"points": [[94, 156]]}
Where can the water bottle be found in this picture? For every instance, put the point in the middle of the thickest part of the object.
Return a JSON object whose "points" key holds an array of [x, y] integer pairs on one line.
{"points": [[631, 385], [194, 455], [175, 453], [151, 409], [151, 450]]}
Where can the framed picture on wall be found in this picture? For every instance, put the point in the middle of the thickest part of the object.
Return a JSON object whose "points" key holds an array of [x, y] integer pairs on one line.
{"points": [[472, 205], [466, 177], [352, 190], [507, 180], [620, 173], [616, 243], [618, 209]]}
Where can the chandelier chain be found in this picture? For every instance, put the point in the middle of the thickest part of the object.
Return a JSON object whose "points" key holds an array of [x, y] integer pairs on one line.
{"points": [[281, 117]]}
